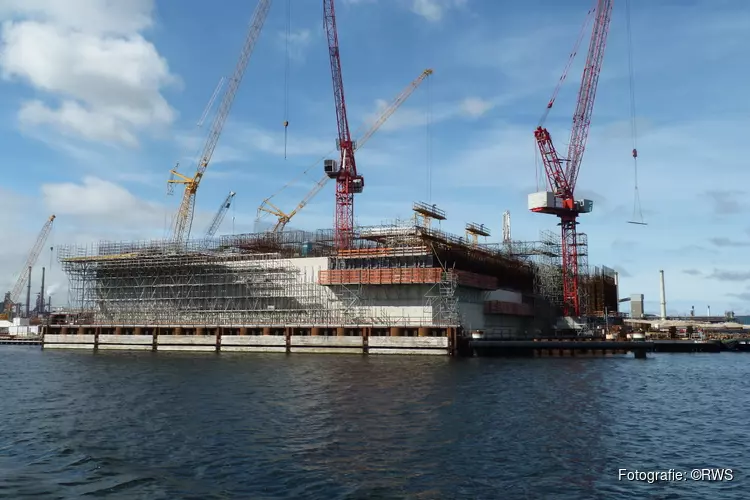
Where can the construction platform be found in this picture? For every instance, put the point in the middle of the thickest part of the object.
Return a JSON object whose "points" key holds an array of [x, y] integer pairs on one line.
{"points": [[552, 347], [400, 277]]}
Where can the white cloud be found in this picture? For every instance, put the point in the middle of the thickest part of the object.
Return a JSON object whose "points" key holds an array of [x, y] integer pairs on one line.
{"points": [[243, 142], [97, 198], [409, 117], [95, 75], [88, 211], [297, 43], [475, 106], [434, 10]]}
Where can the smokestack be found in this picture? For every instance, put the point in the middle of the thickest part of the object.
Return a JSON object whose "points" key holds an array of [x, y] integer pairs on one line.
{"points": [[663, 296], [617, 285], [40, 311], [28, 294]]}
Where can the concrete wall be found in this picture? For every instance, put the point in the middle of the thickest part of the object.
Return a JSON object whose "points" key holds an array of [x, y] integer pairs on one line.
{"points": [[253, 343], [408, 345], [204, 343], [505, 296], [256, 343], [502, 325], [326, 344], [131, 342], [69, 341]]}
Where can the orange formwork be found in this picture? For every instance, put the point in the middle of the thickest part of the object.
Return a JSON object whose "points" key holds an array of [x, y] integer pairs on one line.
{"points": [[402, 276], [384, 276], [474, 280], [382, 251]]}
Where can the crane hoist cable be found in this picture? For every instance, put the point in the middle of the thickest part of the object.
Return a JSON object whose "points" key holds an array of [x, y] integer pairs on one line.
{"points": [[286, 71], [282, 217], [637, 217]]}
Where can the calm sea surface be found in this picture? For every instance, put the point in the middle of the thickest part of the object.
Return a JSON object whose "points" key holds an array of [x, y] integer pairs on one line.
{"points": [[253, 426]]}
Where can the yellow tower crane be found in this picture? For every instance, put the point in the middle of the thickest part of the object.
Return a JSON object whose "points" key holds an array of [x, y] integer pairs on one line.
{"points": [[183, 220], [283, 218]]}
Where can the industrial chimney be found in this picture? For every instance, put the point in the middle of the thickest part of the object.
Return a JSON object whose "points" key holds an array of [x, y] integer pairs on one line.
{"points": [[28, 293], [40, 309], [663, 296]]}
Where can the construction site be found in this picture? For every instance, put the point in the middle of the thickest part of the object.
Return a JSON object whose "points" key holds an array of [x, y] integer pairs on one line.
{"points": [[403, 286]]}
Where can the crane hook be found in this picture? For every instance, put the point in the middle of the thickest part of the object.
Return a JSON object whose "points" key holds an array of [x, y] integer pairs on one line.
{"points": [[286, 126]]}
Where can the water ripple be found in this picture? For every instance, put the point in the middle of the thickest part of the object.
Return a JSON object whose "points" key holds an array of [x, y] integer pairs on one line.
{"points": [[145, 425]]}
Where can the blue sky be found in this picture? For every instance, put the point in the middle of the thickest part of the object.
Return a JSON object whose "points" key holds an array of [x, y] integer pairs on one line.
{"points": [[99, 102]]}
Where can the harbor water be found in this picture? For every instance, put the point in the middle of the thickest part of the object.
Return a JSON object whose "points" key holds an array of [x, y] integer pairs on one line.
{"points": [[274, 426]]}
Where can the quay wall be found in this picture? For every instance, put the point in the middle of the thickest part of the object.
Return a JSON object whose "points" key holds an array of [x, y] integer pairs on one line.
{"points": [[339, 340]]}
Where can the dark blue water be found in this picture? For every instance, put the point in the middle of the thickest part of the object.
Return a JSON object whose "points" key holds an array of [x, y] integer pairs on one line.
{"points": [[251, 426]]}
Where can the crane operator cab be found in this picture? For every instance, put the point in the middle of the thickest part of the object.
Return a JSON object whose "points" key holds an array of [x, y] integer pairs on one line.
{"points": [[358, 184], [331, 168]]}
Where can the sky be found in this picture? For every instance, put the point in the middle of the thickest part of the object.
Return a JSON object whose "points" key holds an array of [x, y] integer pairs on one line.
{"points": [[100, 99]]}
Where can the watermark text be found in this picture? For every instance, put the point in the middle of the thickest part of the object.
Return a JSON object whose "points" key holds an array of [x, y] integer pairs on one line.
{"points": [[653, 476]]}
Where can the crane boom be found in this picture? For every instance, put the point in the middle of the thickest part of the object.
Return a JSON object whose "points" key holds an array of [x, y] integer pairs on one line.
{"points": [[284, 218], [587, 92], [348, 181], [561, 180], [184, 218], [220, 214], [23, 277], [392, 107]]}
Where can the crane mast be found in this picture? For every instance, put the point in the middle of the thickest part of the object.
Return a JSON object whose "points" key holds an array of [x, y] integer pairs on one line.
{"points": [[561, 201], [348, 181], [220, 214], [184, 218], [33, 256], [284, 218]]}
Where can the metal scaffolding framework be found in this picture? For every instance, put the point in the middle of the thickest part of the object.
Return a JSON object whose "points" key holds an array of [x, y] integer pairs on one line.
{"points": [[148, 283], [398, 274], [247, 279]]}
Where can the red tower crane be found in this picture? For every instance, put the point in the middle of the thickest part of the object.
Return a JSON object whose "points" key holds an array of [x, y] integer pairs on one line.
{"points": [[562, 181], [348, 181]]}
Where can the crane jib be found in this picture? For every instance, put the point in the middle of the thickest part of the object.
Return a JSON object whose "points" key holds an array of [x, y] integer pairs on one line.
{"points": [[184, 218]]}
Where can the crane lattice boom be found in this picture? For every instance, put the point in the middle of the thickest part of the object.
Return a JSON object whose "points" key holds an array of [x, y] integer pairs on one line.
{"points": [[579, 134], [284, 218], [348, 181], [33, 256], [220, 214], [562, 180], [184, 218]]}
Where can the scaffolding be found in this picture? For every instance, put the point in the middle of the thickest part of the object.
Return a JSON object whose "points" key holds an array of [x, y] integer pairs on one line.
{"points": [[548, 276], [583, 272], [601, 292], [150, 283], [253, 279], [398, 274]]}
